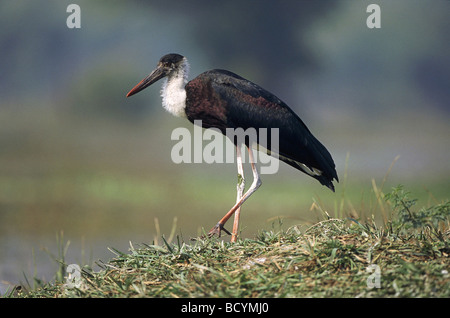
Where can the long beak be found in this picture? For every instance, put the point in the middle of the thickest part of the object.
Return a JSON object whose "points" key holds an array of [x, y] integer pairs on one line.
{"points": [[154, 76]]}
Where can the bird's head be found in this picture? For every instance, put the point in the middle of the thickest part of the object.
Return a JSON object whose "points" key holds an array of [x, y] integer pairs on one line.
{"points": [[168, 65]]}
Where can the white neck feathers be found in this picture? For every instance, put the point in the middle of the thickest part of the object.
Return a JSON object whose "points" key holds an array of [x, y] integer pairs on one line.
{"points": [[173, 91]]}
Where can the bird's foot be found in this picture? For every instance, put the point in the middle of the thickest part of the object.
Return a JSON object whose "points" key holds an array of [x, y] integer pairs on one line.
{"points": [[217, 229]]}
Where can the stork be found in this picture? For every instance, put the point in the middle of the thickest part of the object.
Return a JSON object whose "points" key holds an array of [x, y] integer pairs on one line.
{"points": [[221, 100]]}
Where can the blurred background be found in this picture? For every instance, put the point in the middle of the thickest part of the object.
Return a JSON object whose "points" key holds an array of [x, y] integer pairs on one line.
{"points": [[82, 164]]}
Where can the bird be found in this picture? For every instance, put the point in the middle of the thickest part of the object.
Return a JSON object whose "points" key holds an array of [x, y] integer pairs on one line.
{"points": [[223, 100]]}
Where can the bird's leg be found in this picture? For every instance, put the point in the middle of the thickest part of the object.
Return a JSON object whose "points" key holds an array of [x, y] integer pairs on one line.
{"points": [[255, 185], [240, 191]]}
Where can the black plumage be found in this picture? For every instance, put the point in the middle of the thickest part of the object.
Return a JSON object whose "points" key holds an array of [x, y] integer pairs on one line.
{"points": [[235, 102], [224, 100]]}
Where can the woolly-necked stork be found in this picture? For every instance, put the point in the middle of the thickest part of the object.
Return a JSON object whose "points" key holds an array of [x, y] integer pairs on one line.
{"points": [[222, 99]]}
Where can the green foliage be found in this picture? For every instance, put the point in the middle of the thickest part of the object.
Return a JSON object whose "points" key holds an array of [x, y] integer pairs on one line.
{"points": [[407, 219]]}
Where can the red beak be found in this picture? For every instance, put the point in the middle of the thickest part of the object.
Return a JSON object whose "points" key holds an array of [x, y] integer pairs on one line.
{"points": [[154, 76]]}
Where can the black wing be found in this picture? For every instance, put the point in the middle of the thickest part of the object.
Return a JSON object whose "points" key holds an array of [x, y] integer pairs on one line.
{"points": [[248, 105]]}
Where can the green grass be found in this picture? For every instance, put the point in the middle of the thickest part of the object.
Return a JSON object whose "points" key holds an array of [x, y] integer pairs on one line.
{"points": [[406, 254]]}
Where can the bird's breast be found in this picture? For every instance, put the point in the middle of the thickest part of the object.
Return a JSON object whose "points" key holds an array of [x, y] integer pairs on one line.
{"points": [[173, 96]]}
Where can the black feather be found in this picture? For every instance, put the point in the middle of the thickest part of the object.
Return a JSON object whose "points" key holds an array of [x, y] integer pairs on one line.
{"points": [[241, 103]]}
